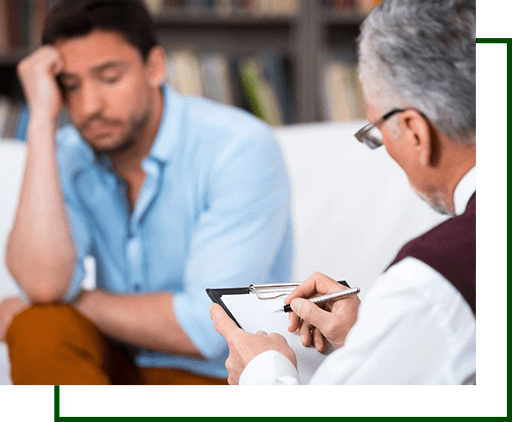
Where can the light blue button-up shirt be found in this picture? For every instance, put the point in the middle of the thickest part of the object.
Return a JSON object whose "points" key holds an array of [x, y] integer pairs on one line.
{"points": [[214, 211]]}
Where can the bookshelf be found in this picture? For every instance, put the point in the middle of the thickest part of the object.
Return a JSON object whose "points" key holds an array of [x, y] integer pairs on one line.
{"points": [[303, 37]]}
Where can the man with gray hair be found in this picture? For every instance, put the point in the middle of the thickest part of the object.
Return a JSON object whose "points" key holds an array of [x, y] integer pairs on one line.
{"points": [[417, 324]]}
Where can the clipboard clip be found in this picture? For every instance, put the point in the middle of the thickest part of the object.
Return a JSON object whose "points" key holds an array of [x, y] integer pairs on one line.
{"points": [[271, 291]]}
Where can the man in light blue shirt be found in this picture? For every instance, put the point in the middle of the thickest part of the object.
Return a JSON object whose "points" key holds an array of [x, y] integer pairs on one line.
{"points": [[169, 194]]}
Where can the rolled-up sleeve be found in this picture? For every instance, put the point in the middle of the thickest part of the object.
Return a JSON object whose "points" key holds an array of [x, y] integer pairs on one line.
{"points": [[238, 236]]}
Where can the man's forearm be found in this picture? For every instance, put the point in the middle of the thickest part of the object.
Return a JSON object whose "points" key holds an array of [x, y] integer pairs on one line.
{"points": [[142, 320], [40, 253]]}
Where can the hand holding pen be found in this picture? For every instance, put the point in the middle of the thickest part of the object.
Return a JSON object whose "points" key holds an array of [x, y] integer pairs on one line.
{"points": [[316, 325], [329, 297]]}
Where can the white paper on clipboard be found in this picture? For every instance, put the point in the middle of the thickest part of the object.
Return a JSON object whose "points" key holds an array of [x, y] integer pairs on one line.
{"points": [[254, 314]]}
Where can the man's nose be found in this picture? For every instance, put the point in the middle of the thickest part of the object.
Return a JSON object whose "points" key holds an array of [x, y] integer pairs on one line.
{"points": [[92, 100]]}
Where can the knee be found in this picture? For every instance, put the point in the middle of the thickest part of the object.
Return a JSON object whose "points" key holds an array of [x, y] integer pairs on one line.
{"points": [[42, 327], [52, 343]]}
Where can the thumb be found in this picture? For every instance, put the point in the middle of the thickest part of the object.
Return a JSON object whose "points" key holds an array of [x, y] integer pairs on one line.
{"points": [[223, 323], [310, 313]]}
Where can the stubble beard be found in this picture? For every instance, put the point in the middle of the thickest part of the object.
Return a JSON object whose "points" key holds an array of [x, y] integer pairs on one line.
{"points": [[436, 202], [127, 140]]}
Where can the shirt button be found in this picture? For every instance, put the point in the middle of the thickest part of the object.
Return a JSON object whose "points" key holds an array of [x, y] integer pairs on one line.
{"points": [[137, 287]]}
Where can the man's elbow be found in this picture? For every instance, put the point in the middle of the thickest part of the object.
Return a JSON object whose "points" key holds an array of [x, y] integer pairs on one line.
{"points": [[44, 292], [40, 281]]}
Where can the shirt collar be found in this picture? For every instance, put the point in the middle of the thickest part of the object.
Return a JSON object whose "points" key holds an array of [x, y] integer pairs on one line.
{"points": [[464, 191], [170, 127]]}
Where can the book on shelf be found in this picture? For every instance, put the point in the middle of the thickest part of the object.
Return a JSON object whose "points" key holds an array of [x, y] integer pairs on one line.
{"points": [[184, 72], [342, 98], [343, 4], [21, 24], [276, 70], [15, 116], [13, 25], [226, 7], [260, 84], [266, 87], [217, 78], [11, 121], [361, 6], [255, 89], [4, 22], [170, 4], [273, 7], [22, 123], [195, 5], [4, 113], [38, 16], [365, 6], [154, 6]]}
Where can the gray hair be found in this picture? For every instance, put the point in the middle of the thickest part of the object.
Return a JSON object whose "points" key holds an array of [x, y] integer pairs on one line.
{"points": [[421, 54]]}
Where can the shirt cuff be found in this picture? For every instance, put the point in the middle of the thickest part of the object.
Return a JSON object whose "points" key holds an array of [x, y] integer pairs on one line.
{"points": [[269, 368]]}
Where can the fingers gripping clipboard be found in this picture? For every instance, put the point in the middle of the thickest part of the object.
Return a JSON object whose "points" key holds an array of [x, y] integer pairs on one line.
{"points": [[253, 309]]}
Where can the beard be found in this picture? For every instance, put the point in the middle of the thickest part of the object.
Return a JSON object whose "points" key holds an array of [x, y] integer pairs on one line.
{"points": [[125, 141], [436, 202]]}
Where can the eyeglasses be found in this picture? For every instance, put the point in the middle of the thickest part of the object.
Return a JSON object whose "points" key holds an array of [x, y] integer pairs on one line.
{"points": [[370, 134]]}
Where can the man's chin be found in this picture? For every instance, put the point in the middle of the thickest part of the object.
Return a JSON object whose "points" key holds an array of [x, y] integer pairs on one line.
{"points": [[109, 147]]}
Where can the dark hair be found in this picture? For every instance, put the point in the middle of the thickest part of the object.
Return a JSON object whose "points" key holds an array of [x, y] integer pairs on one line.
{"points": [[75, 18]]}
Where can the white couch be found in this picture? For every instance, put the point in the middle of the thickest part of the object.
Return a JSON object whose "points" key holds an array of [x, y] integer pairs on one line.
{"points": [[352, 207]]}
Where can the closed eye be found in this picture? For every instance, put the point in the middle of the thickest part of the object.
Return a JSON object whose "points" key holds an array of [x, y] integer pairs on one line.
{"points": [[68, 84], [111, 77], [110, 72]]}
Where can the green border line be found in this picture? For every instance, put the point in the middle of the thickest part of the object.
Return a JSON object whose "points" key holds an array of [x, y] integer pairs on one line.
{"points": [[501, 41], [56, 403]]}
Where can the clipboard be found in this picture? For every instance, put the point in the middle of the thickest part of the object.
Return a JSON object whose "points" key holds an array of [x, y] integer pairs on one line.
{"points": [[252, 308]]}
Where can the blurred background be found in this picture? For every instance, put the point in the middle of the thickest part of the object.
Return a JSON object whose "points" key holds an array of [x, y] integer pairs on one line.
{"points": [[286, 61]]}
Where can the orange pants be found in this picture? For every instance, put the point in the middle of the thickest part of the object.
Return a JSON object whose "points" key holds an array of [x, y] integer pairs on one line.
{"points": [[53, 344]]}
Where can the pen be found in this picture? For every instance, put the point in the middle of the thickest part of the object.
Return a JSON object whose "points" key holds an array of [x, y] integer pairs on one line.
{"points": [[320, 300]]}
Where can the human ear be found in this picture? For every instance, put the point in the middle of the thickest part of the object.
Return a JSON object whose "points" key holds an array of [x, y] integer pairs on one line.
{"points": [[155, 66], [418, 133]]}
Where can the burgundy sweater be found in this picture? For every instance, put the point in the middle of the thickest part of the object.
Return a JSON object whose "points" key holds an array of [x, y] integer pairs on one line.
{"points": [[450, 248]]}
